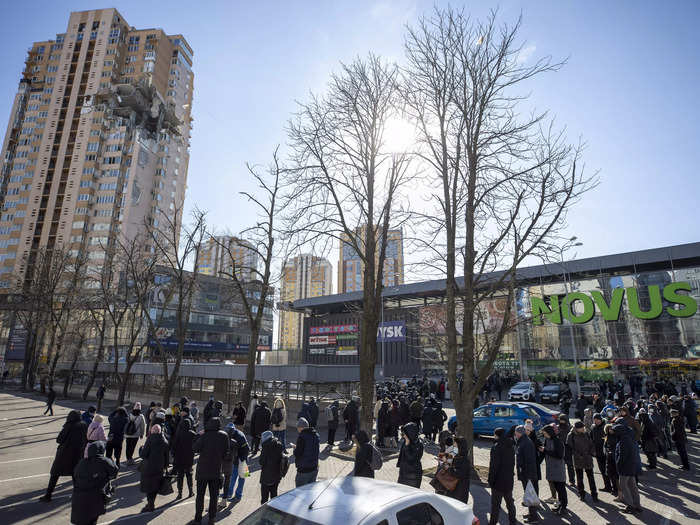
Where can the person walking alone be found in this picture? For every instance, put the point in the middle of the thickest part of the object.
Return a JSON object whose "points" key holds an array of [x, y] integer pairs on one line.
{"points": [[50, 399], [71, 444], [135, 430], [91, 479], [271, 455], [100, 396], [501, 479]]}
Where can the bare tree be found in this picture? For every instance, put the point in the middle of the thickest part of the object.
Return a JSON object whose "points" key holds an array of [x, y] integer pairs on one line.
{"points": [[504, 181], [346, 185], [174, 248], [75, 339], [256, 277], [37, 300]]}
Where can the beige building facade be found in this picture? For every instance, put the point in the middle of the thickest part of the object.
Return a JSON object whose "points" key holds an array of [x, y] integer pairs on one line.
{"points": [[97, 144], [219, 255], [302, 277], [351, 268]]}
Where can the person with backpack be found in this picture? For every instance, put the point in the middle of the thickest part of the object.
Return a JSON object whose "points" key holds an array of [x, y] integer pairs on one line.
{"points": [[212, 446], [278, 419], [259, 423], [306, 452], [91, 489], [274, 465], [363, 455], [135, 430], [332, 418], [89, 415], [183, 455], [240, 456], [115, 439]]}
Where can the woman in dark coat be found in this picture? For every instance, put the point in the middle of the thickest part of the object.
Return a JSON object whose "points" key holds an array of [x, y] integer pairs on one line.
{"points": [[363, 456], [650, 435], [155, 455], [610, 467], [383, 424], [410, 454], [461, 468], [71, 444], [90, 480], [115, 439], [183, 455]]}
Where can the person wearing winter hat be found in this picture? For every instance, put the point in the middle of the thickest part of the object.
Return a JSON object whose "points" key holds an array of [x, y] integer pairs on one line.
{"points": [[271, 472], [582, 450], [526, 467], [306, 452], [598, 438]]}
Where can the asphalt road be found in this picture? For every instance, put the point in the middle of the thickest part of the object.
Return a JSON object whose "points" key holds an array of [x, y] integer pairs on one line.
{"points": [[27, 447]]}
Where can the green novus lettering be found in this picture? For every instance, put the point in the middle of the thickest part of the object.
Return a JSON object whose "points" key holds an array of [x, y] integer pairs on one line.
{"points": [[655, 308], [691, 306], [540, 308], [609, 312], [588, 308]]}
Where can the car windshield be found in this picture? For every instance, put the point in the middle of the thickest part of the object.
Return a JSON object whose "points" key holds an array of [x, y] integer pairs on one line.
{"points": [[531, 412], [522, 384], [539, 407], [550, 388], [267, 515]]}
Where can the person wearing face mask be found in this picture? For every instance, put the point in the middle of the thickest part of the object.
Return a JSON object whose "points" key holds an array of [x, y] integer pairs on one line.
{"points": [[461, 469]]}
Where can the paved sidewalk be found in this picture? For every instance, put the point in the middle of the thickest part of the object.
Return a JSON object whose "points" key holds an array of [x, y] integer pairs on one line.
{"points": [[27, 447]]}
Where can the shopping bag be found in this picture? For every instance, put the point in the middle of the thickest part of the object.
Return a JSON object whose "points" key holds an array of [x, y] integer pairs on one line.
{"points": [[166, 485], [530, 498], [243, 470]]}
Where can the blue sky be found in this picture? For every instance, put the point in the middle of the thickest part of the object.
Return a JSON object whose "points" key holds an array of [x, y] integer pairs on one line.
{"points": [[630, 90]]}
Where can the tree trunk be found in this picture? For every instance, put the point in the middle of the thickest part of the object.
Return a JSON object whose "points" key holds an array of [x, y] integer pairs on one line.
{"points": [[31, 337], [96, 364], [123, 385], [54, 362], [250, 367], [368, 360], [69, 376]]}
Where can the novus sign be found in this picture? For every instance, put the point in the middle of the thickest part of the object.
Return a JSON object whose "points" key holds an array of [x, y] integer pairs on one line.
{"points": [[610, 311]]}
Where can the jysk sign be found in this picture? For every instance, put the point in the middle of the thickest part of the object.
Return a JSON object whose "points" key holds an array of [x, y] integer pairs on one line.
{"points": [[391, 332], [610, 311]]}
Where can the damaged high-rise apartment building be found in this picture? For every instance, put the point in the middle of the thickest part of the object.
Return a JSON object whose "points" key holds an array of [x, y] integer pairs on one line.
{"points": [[98, 138]]}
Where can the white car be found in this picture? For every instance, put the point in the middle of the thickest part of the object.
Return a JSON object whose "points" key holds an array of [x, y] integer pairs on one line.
{"points": [[361, 501], [524, 390]]}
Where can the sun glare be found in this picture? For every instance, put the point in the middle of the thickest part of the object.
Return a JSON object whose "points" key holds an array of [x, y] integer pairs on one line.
{"points": [[399, 135]]}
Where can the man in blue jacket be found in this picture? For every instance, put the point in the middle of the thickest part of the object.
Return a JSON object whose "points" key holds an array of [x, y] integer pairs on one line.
{"points": [[306, 453], [629, 465], [526, 465]]}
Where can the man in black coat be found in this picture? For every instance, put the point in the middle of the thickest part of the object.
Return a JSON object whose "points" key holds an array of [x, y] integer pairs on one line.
{"points": [[333, 421], [679, 437], [313, 413], [270, 466], [71, 444], [183, 455], [598, 437], [363, 456], [501, 468], [90, 480], [259, 423], [526, 465], [212, 446], [50, 398]]}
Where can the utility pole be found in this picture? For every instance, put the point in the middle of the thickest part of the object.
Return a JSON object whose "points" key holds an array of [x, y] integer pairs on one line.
{"points": [[570, 244]]}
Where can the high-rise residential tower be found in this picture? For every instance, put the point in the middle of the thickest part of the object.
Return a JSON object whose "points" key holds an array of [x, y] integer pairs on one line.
{"points": [[98, 140], [219, 254], [303, 276], [351, 267]]}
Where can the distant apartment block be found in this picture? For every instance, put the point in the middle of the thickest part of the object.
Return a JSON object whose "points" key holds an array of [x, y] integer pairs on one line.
{"points": [[97, 144], [302, 277], [220, 254], [351, 267]]}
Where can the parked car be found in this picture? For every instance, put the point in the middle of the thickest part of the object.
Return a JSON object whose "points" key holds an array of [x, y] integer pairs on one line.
{"points": [[554, 392], [490, 416], [588, 390], [524, 390], [547, 415], [360, 501]]}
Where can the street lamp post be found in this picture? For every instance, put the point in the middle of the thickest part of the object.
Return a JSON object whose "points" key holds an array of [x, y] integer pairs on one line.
{"points": [[570, 244]]}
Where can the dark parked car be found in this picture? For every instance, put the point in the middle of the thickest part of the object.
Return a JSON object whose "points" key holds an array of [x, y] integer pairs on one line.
{"points": [[588, 391], [554, 392]]}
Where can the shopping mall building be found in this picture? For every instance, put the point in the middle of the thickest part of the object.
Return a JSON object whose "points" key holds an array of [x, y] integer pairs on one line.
{"points": [[613, 315]]}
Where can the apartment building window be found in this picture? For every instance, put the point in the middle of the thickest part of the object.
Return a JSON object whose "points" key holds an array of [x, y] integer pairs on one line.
{"points": [[90, 157], [86, 184], [88, 171], [114, 33], [108, 186], [42, 114], [93, 146], [81, 211], [83, 197], [52, 69], [148, 67], [105, 199], [50, 80], [112, 160], [133, 48]]}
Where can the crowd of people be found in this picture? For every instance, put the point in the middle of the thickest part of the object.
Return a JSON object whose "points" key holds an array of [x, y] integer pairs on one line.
{"points": [[409, 418]]}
